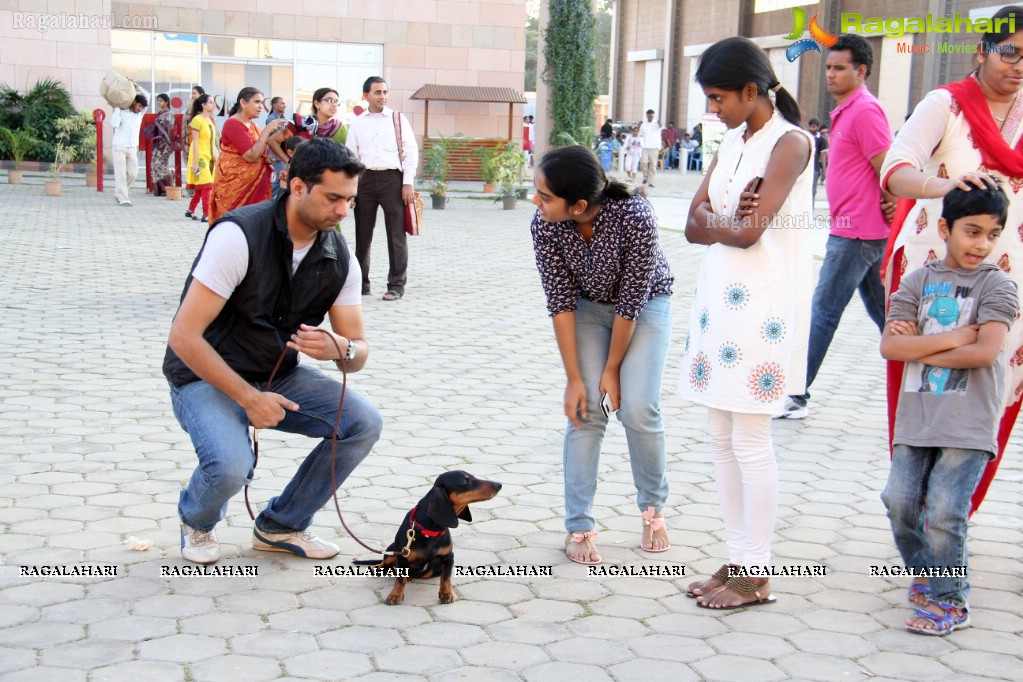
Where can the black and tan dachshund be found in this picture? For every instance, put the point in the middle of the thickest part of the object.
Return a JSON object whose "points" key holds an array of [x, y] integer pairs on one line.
{"points": [[423, 541]]}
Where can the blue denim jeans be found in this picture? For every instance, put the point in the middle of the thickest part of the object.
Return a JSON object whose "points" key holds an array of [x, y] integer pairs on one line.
{"points": [[849, 264], [219, 430], [639, 412], [928, 501]]}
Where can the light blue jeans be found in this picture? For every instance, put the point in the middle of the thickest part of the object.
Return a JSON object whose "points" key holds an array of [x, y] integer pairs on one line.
{"points": [[928, 501], [219, 430], [639, 412]]}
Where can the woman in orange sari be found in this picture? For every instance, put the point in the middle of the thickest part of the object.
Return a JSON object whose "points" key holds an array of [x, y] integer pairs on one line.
{"points": [[963, 134], [243, 172]]}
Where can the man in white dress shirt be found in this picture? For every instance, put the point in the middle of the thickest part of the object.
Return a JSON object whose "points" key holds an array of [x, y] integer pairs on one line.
{"points": [[125, 146], [387, 183], [650, 131]]}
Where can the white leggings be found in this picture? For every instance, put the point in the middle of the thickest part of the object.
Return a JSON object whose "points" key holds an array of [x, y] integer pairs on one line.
{"points": [[747, 482]]}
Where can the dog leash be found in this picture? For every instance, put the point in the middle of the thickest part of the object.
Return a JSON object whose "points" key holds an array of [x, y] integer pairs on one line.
{"points": [[333, 438]]}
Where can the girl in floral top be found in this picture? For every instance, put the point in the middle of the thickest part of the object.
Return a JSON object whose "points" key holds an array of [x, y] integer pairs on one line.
{"points": [[608, 288]]}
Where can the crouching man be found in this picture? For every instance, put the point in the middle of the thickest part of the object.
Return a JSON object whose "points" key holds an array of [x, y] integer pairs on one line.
{"points": [[265, 277]]}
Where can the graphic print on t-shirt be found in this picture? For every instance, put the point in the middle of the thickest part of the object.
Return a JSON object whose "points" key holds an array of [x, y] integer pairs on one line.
{"points": [[942, 309]]}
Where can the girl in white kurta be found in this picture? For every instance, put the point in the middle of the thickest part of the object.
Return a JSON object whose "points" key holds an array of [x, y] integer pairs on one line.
{"points": [[751, 312]]}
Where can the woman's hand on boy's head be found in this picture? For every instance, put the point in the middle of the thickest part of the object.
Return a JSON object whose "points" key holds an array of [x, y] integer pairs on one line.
{"points": [[968, 181]]}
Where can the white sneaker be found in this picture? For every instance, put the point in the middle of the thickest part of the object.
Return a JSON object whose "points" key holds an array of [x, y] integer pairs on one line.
{"points": [[793, 410], [303, 544], [200, 547]]}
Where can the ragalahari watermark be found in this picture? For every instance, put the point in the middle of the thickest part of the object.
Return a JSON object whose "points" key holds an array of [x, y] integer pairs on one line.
{"points": [[64, 21]]}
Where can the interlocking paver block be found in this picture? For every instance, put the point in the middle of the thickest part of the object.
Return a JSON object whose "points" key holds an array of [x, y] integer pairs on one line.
{"points": [[233, 667], [733, 666], [361, 639], [505, 655], [328, 665], [183, 648], [140, 671], [16, 659], [87, 654]]}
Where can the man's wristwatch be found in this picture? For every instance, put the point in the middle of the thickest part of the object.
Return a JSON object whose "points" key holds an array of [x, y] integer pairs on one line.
{"points": [[352, 348]]}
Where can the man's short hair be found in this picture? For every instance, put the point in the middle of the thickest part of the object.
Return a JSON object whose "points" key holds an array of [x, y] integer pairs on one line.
{"points": [[649, 111], [322, 154], [275, 100], [141, 99], [960, 203], [813, 122], [859, 49], [368, 85]]}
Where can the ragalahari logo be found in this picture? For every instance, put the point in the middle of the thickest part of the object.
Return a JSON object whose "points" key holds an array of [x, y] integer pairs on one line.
{"points": [[818, 36]]}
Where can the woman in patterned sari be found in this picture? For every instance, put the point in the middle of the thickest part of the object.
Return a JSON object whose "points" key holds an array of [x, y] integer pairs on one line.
{"points": [[243, 172], [961, 135], [162, 134]]}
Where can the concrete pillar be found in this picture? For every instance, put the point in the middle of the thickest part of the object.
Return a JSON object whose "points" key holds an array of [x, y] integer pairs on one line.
{"points": [[542, 124]]}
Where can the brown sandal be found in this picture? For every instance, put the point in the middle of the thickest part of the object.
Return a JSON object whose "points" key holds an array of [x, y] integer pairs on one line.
{"points": [[721, 575], [748, 589]]}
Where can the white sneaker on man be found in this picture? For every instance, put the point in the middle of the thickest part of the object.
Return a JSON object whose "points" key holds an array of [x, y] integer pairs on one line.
{"points": [[792, 410], [197, 546], [300, 543]]}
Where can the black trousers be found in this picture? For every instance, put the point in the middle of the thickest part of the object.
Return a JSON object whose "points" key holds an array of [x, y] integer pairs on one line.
{"points": [[382, 189]]}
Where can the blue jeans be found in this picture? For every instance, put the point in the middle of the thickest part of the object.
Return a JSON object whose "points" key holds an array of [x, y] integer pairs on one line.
{"points": [[928, 501], [219, 430], [671, 158], [849, 264], [639, 412]]}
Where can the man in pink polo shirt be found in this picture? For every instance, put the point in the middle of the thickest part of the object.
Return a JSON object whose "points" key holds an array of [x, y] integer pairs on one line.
{"points": [[860, 212]]}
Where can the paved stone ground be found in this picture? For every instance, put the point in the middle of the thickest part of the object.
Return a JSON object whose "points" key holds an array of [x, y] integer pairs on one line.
{"points": [[467, 375]]}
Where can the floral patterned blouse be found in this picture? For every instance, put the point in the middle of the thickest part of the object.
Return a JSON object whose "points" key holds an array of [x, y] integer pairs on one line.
{"points": [[623, 264]]}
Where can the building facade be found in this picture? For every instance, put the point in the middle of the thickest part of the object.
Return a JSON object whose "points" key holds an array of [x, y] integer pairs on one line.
{"points": [[659, 42], [285, 49]]}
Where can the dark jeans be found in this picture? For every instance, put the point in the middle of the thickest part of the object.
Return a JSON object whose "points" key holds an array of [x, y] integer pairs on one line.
{"points": [[382, 189], [849, 264]]}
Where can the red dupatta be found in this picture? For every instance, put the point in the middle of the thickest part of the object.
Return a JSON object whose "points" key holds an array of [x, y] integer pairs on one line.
{"points": [[995, 154]]}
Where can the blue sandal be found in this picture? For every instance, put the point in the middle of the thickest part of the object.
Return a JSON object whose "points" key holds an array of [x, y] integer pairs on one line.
{"points": [[918, 589], [952, 618]]}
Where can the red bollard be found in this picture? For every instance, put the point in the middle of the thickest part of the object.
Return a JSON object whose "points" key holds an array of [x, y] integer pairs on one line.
{"points": [[97, 116]]}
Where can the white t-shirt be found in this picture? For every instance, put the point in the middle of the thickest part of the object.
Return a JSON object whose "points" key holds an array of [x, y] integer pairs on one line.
{"points": [[225, 260]]}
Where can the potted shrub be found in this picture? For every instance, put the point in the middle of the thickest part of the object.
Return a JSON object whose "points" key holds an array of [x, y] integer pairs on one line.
{"points": [[20, 143], [488, 166], [437, 167], [439, 195], [71, 144], [508, 165]]}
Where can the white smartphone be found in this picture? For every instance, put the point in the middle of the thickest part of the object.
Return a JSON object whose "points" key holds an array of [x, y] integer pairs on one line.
{"points": [[605, 405]]}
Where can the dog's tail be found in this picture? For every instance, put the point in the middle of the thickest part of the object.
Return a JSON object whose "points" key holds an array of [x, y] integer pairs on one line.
{"points": [[367, 562]]}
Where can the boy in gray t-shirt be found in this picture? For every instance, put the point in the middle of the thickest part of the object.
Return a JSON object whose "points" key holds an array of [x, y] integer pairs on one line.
{"points": [[947, 322]]}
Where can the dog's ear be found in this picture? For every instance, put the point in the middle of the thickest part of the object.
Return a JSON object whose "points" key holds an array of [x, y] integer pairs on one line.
{"points": [[439, 508], [464, 514]]}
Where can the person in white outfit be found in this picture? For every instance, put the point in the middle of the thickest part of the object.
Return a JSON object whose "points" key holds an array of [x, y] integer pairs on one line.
{"points": [[650, 131], [125, 145], [751, 312]]}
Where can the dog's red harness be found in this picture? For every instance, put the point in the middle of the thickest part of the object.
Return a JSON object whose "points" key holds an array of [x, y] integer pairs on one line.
{"points": [[413, 524], [410, 535]]}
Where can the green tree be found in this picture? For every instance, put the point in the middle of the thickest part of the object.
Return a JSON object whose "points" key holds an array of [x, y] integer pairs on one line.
{"points": [[602, 56], [569, 51]]}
